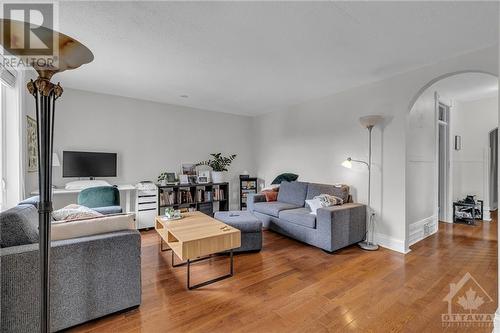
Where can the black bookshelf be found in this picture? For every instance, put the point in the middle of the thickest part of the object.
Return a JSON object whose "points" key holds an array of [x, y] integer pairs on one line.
{"points": [[247, 185], [206, 198]]}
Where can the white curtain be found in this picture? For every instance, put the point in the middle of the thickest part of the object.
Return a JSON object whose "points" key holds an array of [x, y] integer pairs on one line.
{"points": [[21, 102]]}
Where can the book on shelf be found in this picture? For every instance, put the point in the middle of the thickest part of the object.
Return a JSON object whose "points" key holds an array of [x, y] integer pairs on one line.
{"points": [[218, 194], [167, 198], [248, 185], [200, 195], [184, 196]]}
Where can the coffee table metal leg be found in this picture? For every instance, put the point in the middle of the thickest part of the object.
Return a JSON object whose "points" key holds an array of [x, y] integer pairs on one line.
{"points": [[188, 273], [202, 284]]}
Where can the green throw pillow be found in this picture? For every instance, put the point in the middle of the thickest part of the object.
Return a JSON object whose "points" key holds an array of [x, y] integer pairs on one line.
{"points": [[285, 177]]}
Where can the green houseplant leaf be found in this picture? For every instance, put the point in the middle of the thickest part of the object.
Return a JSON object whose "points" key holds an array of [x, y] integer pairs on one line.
{"points": [[218, 162]]}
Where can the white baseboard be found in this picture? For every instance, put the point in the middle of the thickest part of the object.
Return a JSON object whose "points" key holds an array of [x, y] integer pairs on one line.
{"points": [[496, 321], [486, 214], [417, 233], [390, 243]]}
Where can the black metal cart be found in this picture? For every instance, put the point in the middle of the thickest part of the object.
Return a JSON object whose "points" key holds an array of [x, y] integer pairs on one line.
{"points": [[467, 212]]}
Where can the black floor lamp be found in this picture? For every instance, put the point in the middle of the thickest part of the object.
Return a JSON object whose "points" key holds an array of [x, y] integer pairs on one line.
{"points": [[67, 53]]}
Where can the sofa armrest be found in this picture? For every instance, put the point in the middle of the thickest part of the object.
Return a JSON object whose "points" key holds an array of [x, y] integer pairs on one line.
{"points": [[90, 277], [253, 198], [109, 210], [342, 225]]}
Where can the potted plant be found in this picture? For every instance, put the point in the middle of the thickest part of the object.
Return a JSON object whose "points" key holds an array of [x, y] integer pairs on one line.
{"points": [[219, 165], [162, 178]]}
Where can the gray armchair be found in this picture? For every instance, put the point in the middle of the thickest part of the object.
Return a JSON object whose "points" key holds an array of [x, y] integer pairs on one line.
{"points": [[90, 276]]}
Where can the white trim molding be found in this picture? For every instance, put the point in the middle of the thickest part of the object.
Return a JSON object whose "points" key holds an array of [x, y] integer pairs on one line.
{"points": [[417, 229], [486, 214], [496, 321], [390, 243]]}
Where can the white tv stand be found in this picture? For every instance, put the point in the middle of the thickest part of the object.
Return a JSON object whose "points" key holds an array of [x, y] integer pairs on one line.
{"points": [[127, 188], [82, 184]]}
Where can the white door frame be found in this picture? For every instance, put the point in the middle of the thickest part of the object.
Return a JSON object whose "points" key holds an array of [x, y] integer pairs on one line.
{"points": [[447, 199]]}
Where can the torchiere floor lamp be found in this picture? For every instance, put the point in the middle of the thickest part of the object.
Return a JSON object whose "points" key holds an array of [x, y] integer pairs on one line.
{"points": [[367, 122], [70, 54]]}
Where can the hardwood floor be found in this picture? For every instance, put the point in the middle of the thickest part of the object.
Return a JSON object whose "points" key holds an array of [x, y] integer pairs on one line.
{"points": [[292, 287]]}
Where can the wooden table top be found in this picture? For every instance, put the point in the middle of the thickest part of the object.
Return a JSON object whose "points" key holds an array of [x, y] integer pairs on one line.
{"points": [[197, 234]]}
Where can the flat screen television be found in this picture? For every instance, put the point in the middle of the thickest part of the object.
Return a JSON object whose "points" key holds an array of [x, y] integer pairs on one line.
{"points": [[89, 164]]}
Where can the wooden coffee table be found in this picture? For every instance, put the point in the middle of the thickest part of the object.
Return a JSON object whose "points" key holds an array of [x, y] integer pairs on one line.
{"points": [[197, 237]]}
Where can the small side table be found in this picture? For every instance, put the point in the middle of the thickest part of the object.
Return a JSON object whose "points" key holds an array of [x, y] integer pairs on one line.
{"points": [[473, 206]]}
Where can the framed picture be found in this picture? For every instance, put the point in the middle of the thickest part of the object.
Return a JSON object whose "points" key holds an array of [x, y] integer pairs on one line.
{"points": [[204, 177], [189, 169], [184, 179], [32, 143], [171, 177], [202, 180], [193, 179]]}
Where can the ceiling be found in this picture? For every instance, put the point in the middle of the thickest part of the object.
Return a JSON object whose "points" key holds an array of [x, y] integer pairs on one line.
{"points": [[256, 57], [467, 87]]}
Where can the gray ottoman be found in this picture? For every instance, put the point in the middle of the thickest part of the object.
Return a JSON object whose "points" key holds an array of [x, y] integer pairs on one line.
{"points": [[249, 225]]}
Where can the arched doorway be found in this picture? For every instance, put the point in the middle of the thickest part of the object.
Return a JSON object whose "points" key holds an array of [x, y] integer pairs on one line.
{"points": [[448, 150]]}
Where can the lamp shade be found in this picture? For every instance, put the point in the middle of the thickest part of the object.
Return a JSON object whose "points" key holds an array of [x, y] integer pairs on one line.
{"points": [[71, 54], [370, 121], [347, 163], [55, 160]]}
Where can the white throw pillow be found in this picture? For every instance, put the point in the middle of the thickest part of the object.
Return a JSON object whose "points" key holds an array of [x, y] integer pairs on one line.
{"points": [[74, 212], [314, 204], [93, 226]]}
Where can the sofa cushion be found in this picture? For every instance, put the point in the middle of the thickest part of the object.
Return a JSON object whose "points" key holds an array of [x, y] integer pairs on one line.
{"points": [[31, 201], [301, 216], [19, 226], [272, 208], [109, 210], [341, 191], [293, 193], [91, 226]]}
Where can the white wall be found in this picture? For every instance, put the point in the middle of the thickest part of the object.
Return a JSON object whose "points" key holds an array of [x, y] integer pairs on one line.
{"points": [[421, 164], [13, 143], [468, 168], [313, 138], [473, 120], [148, 137]]}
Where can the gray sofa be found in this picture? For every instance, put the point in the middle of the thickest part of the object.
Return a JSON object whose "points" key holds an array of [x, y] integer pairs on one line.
{"points": [[90, 276], [331, 229]]}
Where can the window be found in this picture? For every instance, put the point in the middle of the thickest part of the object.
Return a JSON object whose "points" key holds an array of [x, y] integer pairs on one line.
{"points": [[10, 139]]}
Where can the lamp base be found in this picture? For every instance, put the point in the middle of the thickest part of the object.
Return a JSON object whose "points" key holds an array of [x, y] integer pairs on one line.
{"points": [[368, 246]]}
